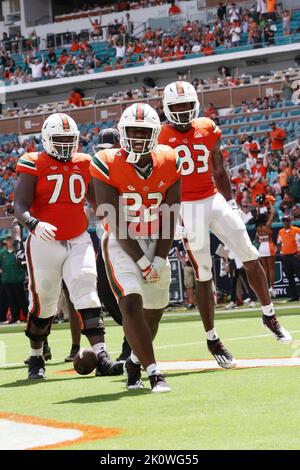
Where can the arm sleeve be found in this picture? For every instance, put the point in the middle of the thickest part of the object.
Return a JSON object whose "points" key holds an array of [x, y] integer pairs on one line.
{"points": [[26, 164]]}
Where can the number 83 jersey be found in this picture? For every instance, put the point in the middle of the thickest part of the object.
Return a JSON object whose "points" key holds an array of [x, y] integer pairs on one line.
{"points": [[194, 148], [60, 191]]}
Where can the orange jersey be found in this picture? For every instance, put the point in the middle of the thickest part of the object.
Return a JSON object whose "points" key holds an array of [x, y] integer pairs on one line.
{"points": [[141, 193], [194, 147], [290, 240], [60, 191]]}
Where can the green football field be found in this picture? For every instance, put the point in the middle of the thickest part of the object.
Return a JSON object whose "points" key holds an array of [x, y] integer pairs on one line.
{"points": [[209, 408]]}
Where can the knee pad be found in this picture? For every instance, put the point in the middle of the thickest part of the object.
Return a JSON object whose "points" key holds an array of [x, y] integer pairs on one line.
{"points": [[91, 322], [37, 328]]}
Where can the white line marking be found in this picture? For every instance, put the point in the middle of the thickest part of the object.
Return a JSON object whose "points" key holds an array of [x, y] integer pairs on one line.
{"points": [[241, 363]]}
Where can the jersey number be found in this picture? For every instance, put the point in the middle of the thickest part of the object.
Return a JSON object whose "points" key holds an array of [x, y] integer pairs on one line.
{"points": [[58, 186], [188, 164], [138, 204]]}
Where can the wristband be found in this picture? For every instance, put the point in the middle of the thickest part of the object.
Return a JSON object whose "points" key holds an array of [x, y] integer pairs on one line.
{"points": [[232, 203], [31, 223], [143, 263]]}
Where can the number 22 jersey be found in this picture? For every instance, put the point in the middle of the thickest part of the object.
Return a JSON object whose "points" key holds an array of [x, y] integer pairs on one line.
{"points": [[194, 148], [60, 191]]}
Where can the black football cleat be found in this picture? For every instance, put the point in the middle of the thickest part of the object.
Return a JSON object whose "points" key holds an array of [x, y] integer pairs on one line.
{"points": [[158, 384], [36, 367], [271, 322], [126, 351], [134, 375], [106, 366], [221, 354], [47, 354], [74, 350]]}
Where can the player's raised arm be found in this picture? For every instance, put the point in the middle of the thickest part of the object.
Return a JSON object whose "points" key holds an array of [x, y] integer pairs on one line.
{"points": [[107, 197], [219, 173]]}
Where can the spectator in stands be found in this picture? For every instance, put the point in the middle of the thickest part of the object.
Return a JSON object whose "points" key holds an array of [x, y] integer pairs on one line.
{"points": [[3, 198], [258, 186], [277, 138], [120, 48], [13, 277], [221, 12], [250, 149], [96, 33], [289, 245], [76, 98], [285, 173], [269, 32], [236, 33], [286, 16], [63, 57], [287, 203], [211, 112], [294, 183], [287, 90], [233, 13], [36, 67], [174, 9], [75, 46], [52, 58], [271, 9]]}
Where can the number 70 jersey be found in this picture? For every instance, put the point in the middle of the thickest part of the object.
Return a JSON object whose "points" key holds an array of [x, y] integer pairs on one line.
{"points": [[60, 191], [194, 148]]}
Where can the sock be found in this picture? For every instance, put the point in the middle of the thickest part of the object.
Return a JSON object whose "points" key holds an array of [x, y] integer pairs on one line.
{"points": [[134, 358], [212, 334], [152, 369], [268, 310], [36, 352], [97, 348]]}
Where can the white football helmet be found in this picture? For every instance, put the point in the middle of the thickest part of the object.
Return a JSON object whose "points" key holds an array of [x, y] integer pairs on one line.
{"points": [[138, 115], [180, 92], [59, 125]]}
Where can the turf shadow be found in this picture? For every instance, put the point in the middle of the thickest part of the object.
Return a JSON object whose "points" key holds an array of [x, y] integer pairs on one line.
{"points": [[26, 382], [106, 397]]}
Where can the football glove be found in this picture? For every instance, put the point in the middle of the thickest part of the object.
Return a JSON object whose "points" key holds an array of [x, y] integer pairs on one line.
{"points": [[149, 273], [44, 231]]}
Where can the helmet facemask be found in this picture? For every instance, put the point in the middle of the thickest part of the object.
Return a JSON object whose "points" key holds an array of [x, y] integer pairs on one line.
{"points": [[129, 143], [181, 118], [63, 150]]}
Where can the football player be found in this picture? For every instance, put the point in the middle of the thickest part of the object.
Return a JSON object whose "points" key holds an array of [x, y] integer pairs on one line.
{"points": [[207, 205], [136, 186], [49, 201]]}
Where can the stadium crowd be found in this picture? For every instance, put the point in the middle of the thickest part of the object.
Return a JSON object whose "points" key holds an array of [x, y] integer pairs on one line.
{"points": [[233, 27]]}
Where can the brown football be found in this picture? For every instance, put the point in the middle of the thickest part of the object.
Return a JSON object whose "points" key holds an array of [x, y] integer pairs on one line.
{"points": [[85, 361]]}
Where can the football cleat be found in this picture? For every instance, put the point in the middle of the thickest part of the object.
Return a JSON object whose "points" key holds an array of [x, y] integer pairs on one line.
{"points": [[221, 354], [134, 375], [47, 355], [106, 366], [125, 353], [158, 384], [271, 322], [36, 367], [230, 305], [74, 350]]}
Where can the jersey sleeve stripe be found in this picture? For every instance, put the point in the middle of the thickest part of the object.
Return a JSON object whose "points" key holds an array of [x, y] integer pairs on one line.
{"points": [[27, 164], [100, 166]]}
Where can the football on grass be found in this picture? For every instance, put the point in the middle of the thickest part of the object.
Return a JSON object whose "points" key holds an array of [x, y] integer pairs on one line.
{"points": [[85, 361]]}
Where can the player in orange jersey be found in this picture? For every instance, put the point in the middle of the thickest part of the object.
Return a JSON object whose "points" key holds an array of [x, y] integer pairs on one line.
{"points": [[207, 204], [49, 201], [135, 187]]}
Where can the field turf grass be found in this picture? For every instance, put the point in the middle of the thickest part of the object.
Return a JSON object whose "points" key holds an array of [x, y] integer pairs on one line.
{"points": [[255, 408]]}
